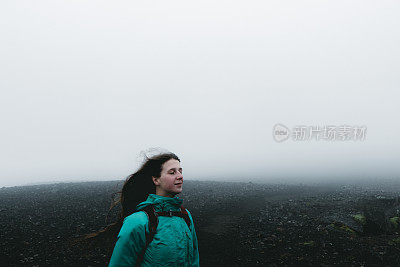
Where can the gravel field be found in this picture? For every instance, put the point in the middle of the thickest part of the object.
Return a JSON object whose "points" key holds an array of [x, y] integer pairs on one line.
{"points": [[237, 223]]}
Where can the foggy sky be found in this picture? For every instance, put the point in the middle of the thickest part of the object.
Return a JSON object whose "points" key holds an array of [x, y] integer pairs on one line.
{"points": [[87, 85]]}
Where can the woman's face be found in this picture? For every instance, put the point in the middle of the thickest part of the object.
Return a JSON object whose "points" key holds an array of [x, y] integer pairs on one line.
{"points": [[170, 182]]}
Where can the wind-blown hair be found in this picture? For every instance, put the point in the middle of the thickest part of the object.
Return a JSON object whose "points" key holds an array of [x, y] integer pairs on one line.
{"points": [[136, 189], [139, 185]]}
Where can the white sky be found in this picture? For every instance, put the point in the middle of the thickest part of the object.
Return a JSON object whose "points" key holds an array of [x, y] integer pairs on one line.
{"points": [[87, 85]]}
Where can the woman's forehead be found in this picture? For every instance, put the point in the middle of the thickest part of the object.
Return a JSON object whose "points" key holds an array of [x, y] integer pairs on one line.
{"points": [[171, 164]]}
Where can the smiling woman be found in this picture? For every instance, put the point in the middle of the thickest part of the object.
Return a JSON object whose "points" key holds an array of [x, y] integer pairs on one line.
{"points": [[156, 229]]}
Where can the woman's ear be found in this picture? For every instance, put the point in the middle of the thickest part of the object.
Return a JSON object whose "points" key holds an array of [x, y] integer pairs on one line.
{"points": [[155, 180]]}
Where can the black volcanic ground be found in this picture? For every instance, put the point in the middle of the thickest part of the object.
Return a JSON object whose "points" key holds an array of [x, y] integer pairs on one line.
{"points": [[237, 224]]}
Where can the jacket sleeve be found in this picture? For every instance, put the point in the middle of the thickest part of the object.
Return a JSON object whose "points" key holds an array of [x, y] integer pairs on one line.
{"points": [[196, 259], [130, 241]]}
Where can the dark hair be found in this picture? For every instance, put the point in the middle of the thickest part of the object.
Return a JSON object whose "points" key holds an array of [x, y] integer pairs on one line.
{"points": [[139, 185], [136, 189]]}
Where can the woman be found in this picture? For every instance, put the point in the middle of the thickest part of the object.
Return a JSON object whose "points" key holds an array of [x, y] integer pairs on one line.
{"points": [[155, 185]]}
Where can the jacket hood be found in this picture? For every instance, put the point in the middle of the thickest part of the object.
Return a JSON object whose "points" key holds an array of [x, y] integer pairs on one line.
{"points": [[161, 203]]}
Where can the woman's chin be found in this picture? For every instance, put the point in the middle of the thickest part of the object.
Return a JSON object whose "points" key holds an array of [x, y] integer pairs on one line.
{"points": [[178, 190]]}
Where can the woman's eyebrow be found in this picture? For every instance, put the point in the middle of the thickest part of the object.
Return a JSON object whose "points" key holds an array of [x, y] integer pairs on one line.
{"points": [[174, 169]]}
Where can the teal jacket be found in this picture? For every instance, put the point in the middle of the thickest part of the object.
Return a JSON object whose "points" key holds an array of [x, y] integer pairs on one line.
{"points": [[174, 244]]}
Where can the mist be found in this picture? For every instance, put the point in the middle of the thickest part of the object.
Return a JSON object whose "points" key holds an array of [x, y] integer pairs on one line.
{"points": [[86, 86]]}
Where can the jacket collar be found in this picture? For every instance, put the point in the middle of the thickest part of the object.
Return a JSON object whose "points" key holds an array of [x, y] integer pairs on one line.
{"points": [[161, 202]]}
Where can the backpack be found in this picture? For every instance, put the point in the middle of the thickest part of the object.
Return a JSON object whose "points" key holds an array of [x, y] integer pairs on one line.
{"points": [[153, 223]]}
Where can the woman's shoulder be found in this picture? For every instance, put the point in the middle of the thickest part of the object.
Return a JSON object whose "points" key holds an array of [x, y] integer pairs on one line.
{"points": [[139, 216], [132, 233], [136, 219]]}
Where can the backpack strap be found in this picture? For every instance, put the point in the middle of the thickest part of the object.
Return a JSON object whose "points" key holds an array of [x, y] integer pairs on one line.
{"points": [[153, 223], [186, 216], [182, 213]]}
